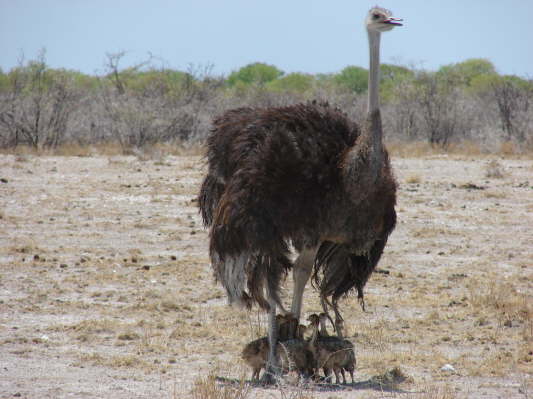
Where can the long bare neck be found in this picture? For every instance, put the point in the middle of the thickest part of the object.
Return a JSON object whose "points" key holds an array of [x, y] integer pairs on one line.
{"points": [[364, 162], [373, 72], [323, 329], [314, 336], [373, 133]]}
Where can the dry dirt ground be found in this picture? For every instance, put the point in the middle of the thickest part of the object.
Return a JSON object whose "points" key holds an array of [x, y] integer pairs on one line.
{"points": [[106, 289]]}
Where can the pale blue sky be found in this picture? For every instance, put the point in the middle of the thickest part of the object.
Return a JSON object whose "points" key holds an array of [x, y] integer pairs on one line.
{"points": [[295, 35]]}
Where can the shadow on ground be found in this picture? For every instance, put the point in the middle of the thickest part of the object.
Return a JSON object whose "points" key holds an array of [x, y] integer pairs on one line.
{"points": [[387, 382]]}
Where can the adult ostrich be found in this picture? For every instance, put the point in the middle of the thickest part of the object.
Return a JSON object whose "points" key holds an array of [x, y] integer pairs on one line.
{"points": [[303, 174]]}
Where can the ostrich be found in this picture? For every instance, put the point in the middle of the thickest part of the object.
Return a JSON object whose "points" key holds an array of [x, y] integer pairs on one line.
{"points": [[294, 354], [293, 350], [331, 353], [304, 175], [255, 354], [348, 363]]}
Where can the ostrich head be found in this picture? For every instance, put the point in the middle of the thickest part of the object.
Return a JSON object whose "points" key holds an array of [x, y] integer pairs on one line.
{"points": [[381, 20], [377, 21], [313, 320]]}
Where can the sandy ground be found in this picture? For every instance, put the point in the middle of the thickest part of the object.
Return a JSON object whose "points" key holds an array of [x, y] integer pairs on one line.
{"points": [[106, 289]]}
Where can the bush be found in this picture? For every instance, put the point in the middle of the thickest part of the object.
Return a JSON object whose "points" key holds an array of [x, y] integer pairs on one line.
{"points": [[257, 73], [36, 104], [352, 78], [293, 82], [145, 104]]}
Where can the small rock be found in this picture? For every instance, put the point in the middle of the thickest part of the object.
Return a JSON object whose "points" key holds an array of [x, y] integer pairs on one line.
{"points": [[472, 186], [128, 336], [63, 265], [146, 267], [173, 257], [3, 180], [448, 367]]}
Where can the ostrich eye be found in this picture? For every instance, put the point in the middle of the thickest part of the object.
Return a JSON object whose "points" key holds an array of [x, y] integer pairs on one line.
{"points": [[375, 16]]}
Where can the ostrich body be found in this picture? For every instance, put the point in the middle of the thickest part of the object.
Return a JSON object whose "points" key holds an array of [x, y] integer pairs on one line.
{"points": [[304, 175]]}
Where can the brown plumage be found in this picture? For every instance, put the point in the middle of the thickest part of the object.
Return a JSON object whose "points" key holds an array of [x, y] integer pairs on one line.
{"points": [[255, 354], [293, 174], [305, 175], [349, 361], [293, 351], [294, 355], [331, 353], [288, 327]]}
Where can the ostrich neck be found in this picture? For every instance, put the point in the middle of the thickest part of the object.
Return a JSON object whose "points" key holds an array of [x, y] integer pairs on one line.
{"points": [[373, 72], [323, 329], [373, 131], [314, 336], [364, 162]]}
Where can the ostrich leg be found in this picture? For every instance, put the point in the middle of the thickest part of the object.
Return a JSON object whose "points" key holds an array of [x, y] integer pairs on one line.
{"points": [[301, 272], [272, 370]]}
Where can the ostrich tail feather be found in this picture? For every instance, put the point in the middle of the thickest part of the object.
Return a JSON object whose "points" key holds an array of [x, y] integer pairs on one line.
{"points": [[248, 277]]}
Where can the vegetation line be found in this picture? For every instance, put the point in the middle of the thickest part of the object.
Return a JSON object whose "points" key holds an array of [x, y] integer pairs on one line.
{"points": [[148, 104]]}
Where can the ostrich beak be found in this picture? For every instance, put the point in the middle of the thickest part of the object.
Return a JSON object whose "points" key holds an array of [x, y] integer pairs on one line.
{"points": [[393, 21]]}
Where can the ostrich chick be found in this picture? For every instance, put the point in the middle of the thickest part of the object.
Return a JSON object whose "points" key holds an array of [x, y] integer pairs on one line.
{"points": [[331, 353], [349, 363], [292, 350], [294, 355], [255, 354]]}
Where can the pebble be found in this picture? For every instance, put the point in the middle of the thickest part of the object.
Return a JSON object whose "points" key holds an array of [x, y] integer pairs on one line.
{"points": [[447, 367]]}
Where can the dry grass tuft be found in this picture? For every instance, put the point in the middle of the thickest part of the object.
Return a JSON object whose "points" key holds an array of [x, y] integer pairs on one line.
{"points": [[434, 392], [421, 149], [416, 149], [508, 148], [74, 150], [209, 388], [390, 378], [494, 170], [413, 179], [500, 301]]}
